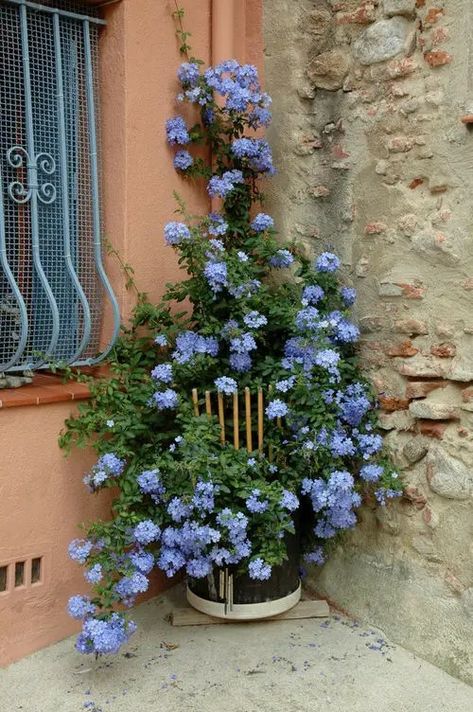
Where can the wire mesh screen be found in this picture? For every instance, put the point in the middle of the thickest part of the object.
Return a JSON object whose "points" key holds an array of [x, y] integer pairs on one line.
{"points": [[52, 283]]}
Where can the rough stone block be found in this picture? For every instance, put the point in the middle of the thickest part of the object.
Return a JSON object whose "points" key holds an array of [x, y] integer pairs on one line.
{"points": [[448, 476], [422, 367], [430, 410], [391, 403], [329, 69], [399, 420], [363, 15], [399, 7], [414, 327], [421, 389], [414, 450], [383, 40]]}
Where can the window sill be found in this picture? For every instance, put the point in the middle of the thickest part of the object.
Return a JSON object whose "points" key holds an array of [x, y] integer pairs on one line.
{"points": [[45, 388]]}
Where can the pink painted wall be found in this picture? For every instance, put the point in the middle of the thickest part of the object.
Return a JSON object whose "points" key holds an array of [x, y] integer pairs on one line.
{"points": [[42, 498]]}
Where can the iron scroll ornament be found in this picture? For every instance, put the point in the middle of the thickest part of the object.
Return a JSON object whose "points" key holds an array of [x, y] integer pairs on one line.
{"points": [[43, 162]]}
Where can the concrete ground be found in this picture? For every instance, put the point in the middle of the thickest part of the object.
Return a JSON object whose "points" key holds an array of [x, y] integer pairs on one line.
{"points": [[334, 665]]}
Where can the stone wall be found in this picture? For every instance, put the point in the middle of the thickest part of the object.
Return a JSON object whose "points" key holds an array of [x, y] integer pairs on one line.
{"points": [[372, 101]]}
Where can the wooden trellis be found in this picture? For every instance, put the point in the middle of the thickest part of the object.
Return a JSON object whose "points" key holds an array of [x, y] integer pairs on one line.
{"points": [[235, 416]]}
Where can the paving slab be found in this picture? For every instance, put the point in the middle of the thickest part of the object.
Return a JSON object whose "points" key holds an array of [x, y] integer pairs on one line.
{"points": [[312, 665]]}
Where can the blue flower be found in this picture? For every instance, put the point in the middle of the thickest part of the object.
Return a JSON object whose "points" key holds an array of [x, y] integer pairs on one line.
{"points": [[94, 574], [145, 532], [176, 131], [189, 344], [162, 372], [80, 607], [218, 226], [242, 256], [243, 343], [383, 494], [199, 567], [371, 473], [276, 409], [79, 550], [316, 556], [167, 399], [221, 186], [149, 482], [161, 340], [259, 570], [102, 636], [256, 152], [176, 232], [327, 262], [281, 258], [129, 586], [178, 510], [215, 273], [369, 444], [285, 385], [143, 561], [240, 362], [312, 294], [348, 295], [226, 385], [204, 496], [262, 222], [289, 501], [254, 504], [254, 319], [183, 160], [109, 465], [188, 73]]}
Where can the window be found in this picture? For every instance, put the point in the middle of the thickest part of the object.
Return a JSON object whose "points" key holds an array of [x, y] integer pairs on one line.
{"points": [[52, 280]]}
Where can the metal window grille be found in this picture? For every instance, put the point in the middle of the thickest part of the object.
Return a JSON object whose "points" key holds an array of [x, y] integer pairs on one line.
{"points": [[52, 280]]}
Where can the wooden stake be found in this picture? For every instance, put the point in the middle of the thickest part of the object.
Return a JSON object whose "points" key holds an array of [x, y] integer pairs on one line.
{"points": [[249, 438], [208, 403], [260, 419], [195, 399], [236, 424], [221, 417]]}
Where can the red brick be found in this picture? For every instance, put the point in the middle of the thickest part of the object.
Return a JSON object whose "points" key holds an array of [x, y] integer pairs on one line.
{"points": [[437, 58], [390, 404], [375, 228], [415, 497], [444, 350], [415, 183], [431, 429], [403, 349], [433, 15], [363, 15], [412, 291], [400, 68], [420, 389], [467, 395]]}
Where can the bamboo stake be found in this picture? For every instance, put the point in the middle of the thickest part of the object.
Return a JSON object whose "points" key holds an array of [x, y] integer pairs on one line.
{"points": [[195, 399], [260, 419], [249, 438], [236, 424], [221, 417], [208, 403]]}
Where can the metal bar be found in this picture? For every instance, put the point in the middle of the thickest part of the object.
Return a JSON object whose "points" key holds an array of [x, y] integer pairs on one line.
{"points": [[94, 175], [65, 13], [14, 287], [33, 183], [65, 192]]}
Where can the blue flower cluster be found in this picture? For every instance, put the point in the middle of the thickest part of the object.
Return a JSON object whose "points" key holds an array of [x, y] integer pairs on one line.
{"points": [[220, 186], [335, 500], [176, 131], [176, 232], [254, 504], [104, 635], [255, 153], [108, 466], [190, 344]]}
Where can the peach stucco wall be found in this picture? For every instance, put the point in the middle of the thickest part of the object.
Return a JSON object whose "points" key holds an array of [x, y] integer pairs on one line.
{"points": [[42, 498]]}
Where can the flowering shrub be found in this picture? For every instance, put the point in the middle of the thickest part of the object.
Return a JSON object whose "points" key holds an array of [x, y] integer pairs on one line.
{"points": [[184, 501]]}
